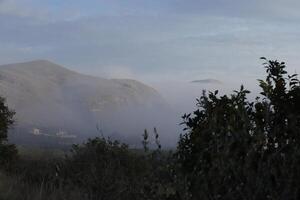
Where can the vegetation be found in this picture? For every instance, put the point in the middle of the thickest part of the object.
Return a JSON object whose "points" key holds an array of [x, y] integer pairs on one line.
{"points": [[231, 149], [8, 152], [235, 149], [97, 169]]}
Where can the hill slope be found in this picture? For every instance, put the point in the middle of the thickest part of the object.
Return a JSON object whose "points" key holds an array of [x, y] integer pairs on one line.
{"points": [[55, 102]]}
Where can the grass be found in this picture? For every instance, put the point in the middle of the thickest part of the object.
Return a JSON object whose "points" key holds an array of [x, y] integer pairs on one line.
{"points": [[11, 188], [8, 188], [44, 174], [40, 153]]}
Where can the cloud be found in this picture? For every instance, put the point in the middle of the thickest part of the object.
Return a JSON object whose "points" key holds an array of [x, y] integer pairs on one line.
{"points": [[154, 39], [11, 7], [18, 8], [117, 72], [263, 10]]}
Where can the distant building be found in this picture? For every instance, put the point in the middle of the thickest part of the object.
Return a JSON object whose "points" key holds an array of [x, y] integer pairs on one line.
{"points": [[36, 131]]}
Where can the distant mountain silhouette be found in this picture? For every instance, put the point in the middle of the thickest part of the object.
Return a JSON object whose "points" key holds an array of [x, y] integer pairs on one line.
{"points": [[207, 81], [51, 98]]}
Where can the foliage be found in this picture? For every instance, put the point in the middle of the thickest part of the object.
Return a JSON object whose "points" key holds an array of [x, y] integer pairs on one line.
{"points": [[236, 149], [101, 169], [7, 151], [107, 169]]}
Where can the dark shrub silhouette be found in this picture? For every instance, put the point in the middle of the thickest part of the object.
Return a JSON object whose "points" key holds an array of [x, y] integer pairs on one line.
{"points": [[236, 149], [106, 169], [7, 151]]}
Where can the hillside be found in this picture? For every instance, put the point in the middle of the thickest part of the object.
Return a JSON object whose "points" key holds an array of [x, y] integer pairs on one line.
{"points": [[54, 102]]}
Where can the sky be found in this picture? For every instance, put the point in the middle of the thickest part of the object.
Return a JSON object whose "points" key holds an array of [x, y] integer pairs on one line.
{"points": [[153, 40]]}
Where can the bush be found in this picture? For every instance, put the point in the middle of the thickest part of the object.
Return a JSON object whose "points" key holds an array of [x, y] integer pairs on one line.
{"points": [[8, 152], [107, 169], [102, 169], [236, 149]]}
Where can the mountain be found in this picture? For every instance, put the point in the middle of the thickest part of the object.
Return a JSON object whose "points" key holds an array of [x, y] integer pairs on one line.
{"points": [[53, 102], [207, 81]]}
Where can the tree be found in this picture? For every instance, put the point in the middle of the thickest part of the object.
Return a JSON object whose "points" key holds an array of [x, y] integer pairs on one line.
{"points": [[7, 151], [236, 149]]}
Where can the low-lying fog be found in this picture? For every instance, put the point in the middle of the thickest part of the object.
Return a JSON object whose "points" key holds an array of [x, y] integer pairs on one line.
{"points": [[54, 104], [128, 124], [181, 97]]}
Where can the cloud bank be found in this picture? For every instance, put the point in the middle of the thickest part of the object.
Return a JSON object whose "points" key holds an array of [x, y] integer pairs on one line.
{"points": [[152, 40]]}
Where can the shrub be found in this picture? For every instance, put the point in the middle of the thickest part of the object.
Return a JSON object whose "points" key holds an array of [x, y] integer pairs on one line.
{"points": [[7, 151], [106, 169], [236, 149]]}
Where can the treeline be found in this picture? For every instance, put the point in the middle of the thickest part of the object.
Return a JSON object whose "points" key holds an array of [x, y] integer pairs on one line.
{"points": [[231, 148]]}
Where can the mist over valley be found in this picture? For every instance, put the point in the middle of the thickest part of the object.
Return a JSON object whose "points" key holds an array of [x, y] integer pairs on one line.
{"points": [[56, 105]]}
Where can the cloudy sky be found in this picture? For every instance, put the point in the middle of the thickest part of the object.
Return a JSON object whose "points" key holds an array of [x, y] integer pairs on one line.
{"points": [[153, 39]]}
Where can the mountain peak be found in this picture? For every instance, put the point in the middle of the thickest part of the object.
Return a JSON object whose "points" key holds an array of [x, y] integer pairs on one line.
{"points": [[44, 67], [32, 62], [39, 61]]}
